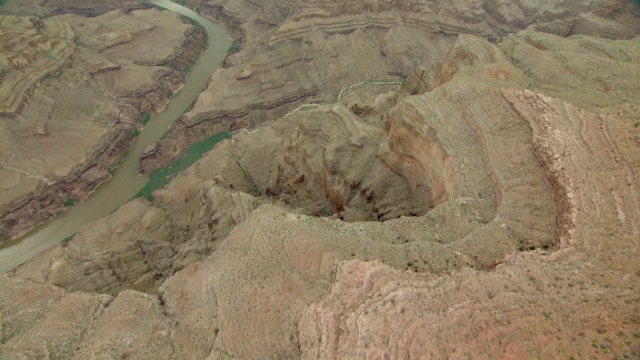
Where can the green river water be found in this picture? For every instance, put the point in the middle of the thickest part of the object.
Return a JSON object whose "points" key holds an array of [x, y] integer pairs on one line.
{"points": [[125, 183]]}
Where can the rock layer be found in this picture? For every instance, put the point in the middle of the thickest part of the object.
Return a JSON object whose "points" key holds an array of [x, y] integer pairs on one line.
{"points": [[307, 51], [507, 179], [102, 60]]}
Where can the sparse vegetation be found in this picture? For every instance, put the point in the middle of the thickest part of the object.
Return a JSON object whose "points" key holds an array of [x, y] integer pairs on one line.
{"points": [[52, 75], [233, 47], [68, 238], [192, 22], [189, 107], [145, 117], [296, 345], [166, 133], [70, 201], [253, 189], [162, 176], [160, 8], [120, 159]]}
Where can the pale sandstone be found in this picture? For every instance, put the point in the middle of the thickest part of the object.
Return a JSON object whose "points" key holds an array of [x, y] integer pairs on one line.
{"points": [[68, 75], [512, 154], [308, 51]]}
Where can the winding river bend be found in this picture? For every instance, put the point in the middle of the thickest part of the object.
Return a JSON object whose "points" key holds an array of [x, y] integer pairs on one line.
{"points": [[125, 182]]}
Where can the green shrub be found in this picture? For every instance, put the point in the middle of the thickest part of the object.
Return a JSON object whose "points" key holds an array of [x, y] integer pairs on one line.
{"points": [[166, 133], [136, 132], [70, 201], [68, 238], [189, 107], [233, 47], [192, 22], [253, 189], [162, 176], [145, 117]]}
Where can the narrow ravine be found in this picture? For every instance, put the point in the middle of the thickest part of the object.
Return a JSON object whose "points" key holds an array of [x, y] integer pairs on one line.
{"points": [[125, 182]]}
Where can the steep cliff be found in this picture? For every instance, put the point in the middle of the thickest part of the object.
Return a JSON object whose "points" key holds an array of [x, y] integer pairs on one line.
{"points": [[506, 185], [74, 89], [291, 52], [485, 207]]}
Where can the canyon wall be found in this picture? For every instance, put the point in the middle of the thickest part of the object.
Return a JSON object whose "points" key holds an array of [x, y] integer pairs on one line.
{"points": [[509, 226], [75, 89], [486, 205]]}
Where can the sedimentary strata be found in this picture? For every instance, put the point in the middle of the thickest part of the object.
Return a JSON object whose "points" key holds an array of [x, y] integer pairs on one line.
{"points": [[506, 182], [291, 52], [73, 91]]}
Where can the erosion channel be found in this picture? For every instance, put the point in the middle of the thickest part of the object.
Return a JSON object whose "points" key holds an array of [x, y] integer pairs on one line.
{"points": [[125, 182]]}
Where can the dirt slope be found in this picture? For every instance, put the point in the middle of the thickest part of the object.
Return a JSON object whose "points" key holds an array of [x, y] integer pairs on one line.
{"points": [[73, 92], [293, 52], [507, 179]]}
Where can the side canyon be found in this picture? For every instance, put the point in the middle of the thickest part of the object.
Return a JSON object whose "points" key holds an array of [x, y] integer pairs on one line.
{"points": [[76, 91], [425, 179]]}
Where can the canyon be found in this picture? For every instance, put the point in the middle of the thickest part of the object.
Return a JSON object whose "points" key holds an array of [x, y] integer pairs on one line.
{"points": [[432, 179], [75, 92]]}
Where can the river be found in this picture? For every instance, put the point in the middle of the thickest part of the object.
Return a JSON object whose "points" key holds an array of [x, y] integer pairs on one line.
{"points": [[125, 182]]}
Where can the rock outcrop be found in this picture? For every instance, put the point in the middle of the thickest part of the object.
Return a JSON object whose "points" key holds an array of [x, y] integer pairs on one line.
{"points": [[485, 208], [88, 8], [68, 75], [301, 52]]}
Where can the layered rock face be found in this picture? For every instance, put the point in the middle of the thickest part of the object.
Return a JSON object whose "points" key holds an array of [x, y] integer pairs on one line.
{"points": [[47, 8], [291, 52], [73, 89], [505, 179]]}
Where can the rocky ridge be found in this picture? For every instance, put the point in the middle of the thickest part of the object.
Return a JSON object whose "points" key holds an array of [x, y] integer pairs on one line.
{"points": [[290, 52], [109, 63], [507, 182]]}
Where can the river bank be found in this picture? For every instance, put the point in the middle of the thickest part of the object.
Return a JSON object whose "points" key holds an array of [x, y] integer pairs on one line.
{"points": [[124, 183]]}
